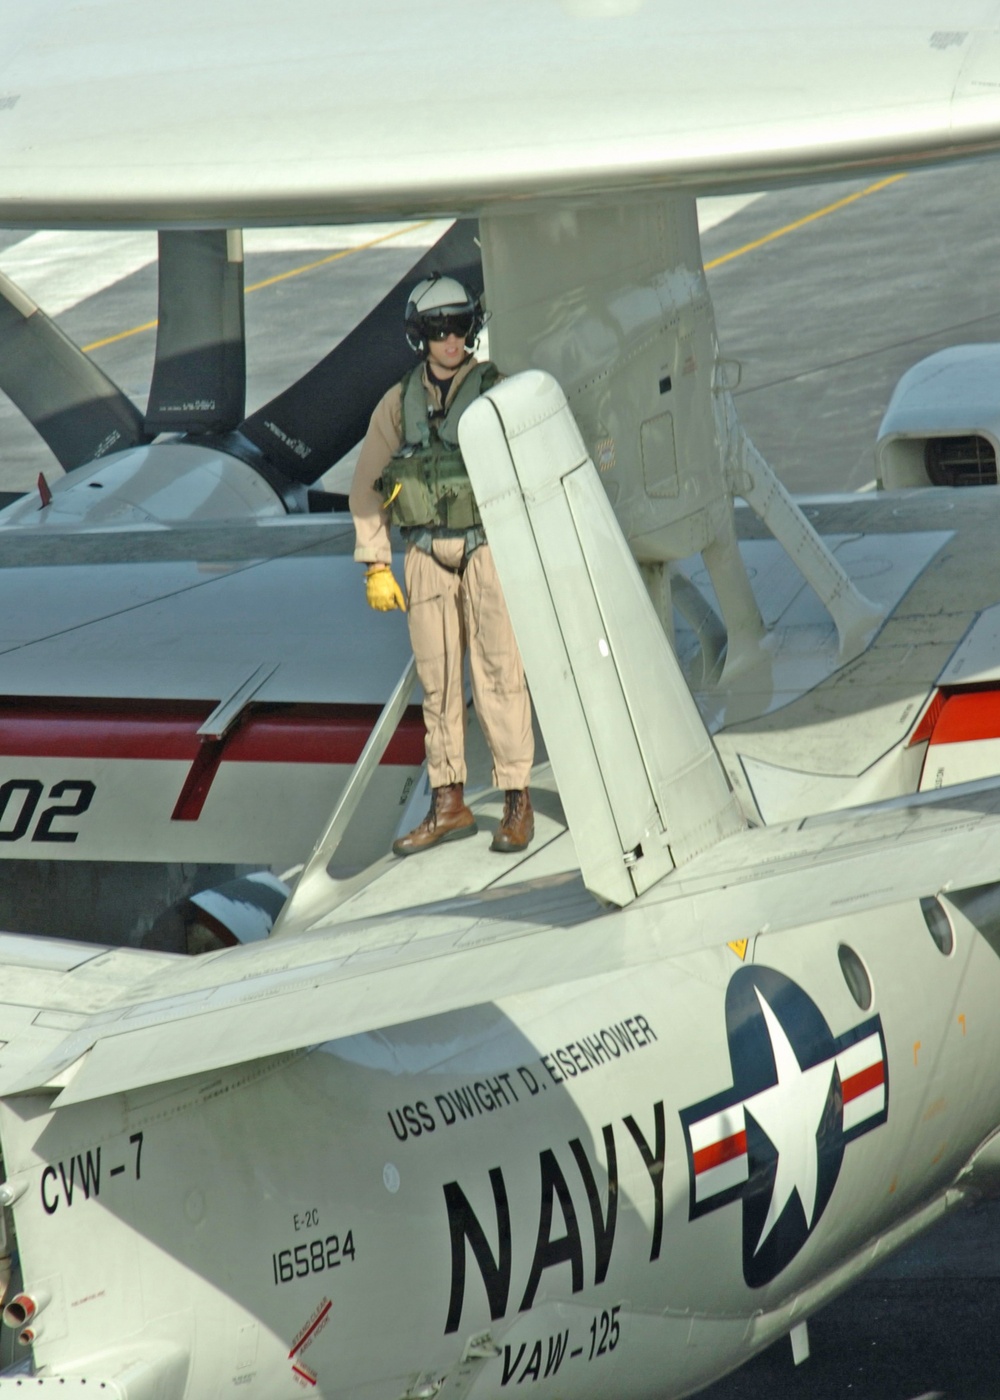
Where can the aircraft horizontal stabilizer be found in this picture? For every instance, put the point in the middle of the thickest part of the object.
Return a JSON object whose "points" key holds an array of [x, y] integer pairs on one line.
{"points": [[95, 1022], [52, 986], [641, 784]]}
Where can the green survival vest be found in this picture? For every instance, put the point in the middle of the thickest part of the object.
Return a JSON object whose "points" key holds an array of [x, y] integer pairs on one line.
{"points": [[433, 485]]}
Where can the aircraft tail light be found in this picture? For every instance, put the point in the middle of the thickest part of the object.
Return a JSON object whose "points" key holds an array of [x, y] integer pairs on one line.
{"points": [[23, 1308]]}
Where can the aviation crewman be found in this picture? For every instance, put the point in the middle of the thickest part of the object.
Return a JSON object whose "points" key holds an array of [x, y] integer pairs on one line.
{"points": [[410, 473]]}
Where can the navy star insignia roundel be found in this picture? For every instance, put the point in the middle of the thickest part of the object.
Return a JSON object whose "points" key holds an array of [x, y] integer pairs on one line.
{"points": [[775, 1141]]}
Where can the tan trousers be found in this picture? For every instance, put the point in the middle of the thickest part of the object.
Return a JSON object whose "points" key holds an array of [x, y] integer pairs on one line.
{"points": [[451, 613]]}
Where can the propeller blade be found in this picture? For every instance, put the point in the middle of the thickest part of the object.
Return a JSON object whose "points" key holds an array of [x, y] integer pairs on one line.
{"points": [[199, 375], [306, 429], [73, 405]]}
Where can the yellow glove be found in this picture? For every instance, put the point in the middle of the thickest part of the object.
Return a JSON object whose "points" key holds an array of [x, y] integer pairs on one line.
{"points": [[384, 593]]}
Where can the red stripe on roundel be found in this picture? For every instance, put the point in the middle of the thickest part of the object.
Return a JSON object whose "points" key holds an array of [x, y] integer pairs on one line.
{"points": [[864, 1080], [718, 1153]]}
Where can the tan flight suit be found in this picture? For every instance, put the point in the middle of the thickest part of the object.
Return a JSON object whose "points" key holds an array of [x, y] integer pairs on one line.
{"points": [[451, 610]]}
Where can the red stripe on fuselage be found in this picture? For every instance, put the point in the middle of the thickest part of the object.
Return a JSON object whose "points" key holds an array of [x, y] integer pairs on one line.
{"points": [[333, 734], [116, 729], [961, 717], [322, 734]]}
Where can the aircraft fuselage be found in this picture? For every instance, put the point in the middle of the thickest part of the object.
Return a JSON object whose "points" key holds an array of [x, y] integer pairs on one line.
{"points": [[646, 1176]]}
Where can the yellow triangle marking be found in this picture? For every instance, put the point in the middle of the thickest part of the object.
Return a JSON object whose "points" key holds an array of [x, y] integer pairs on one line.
{"points": [[739, 947]]}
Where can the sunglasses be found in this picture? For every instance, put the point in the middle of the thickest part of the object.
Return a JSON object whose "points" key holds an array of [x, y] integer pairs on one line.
{"points": [[441, 327]]}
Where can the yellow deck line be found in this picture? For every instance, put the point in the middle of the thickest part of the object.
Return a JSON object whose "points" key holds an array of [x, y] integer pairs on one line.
{"points": [[807, 219], [411, 228], [270, 281]]}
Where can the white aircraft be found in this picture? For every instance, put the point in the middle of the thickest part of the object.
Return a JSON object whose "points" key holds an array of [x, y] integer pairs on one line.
{"points": [[124, 788], [636, 1105], [168, 721]]}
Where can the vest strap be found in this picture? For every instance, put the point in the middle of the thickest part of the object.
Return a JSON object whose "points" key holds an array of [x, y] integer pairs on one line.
{"points": [[426, 483]]}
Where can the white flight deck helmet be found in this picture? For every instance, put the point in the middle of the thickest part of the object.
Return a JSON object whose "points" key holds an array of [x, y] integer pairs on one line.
{"points": [[438, 300]]}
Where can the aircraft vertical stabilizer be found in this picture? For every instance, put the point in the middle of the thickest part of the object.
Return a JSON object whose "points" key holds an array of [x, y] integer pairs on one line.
{"points": [[641, 783]]}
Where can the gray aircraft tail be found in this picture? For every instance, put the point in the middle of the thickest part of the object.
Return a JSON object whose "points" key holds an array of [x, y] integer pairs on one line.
{"points": [[641, 783]]}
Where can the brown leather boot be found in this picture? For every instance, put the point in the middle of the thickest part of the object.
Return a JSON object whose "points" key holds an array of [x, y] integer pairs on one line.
{"points": [[448, 820], [517, 826]]}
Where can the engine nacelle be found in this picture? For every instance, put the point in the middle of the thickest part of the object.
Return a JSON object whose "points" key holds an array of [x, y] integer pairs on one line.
{"points": [[942, 425], [163, 483]]}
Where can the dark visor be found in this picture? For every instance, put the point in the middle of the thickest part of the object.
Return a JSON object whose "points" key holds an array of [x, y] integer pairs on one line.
{"points": [[440, 327]]}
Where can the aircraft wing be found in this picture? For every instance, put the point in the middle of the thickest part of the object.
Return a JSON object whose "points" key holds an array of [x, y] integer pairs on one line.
{"points": [[92, 1021], [541, 500], [308, 111], [191, 613], [199, 694]]}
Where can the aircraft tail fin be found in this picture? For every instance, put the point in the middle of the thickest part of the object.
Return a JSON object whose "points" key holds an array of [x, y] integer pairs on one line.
{"points": [[641, 783]]}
